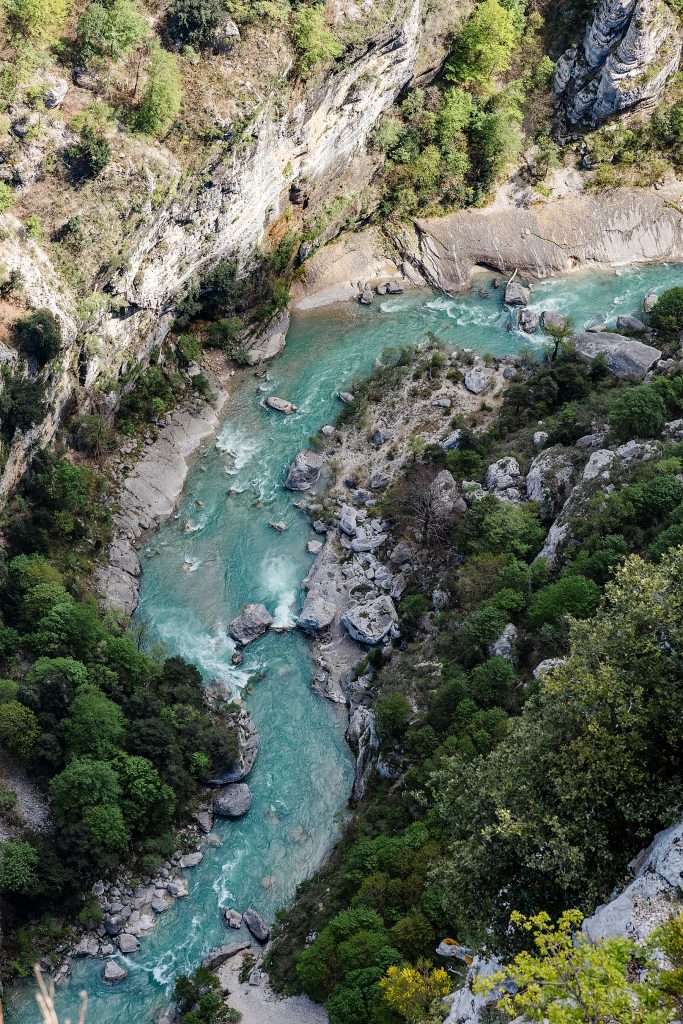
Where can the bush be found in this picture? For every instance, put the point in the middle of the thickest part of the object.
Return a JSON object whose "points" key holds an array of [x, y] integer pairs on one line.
{"points": [[493, 527], [162, 96], [194, 22], [313, 41], [94, 435], [91, 155], [667, 316], [110, 29], [484, 47], [22, 404], [572, 595], [638, 412], [39, 335], [37, 20], [6, 196], [19, 729], [392, 713], [18, 862]]}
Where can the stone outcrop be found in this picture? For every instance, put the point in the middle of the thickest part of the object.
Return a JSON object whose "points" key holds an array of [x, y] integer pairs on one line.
{"points": [[317, 613], [232, 801], [252, 622], [257, 924], [370, 623], [549, 480], [248, 738], [629, 51], [217, 956], [625, 357]]}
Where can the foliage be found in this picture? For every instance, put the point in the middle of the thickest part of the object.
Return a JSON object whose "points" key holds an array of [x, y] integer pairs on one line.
{"points": [[18, 861], [484, 47], [194, 22], [667, 316], [314, 43], [111, 29], [6, 196], [415, 991], [39, 335], [37, 20], [19, 729], [163, 93], [572, 595], [493, 527], [91, 154], [637, 412], [94, 435], [22, 404]]}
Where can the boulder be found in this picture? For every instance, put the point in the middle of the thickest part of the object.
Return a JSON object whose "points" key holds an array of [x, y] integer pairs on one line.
{"points": [[280, 405], [442, 403], [114, 971], [191, 860], [478, 381], [232, 801], [220, 954], [445, 495], [159, 906], [540, 438], [314, 547], [128, 943], [203, 820], [625, 357], [365, 297], [516, 294], [304, 471], [257, 925], [345, 396], [347, 520], [317, 613], [56, 94], [502, 474], [549, 318], [250, 624], [268, 342], [370, 623], [280, 526], [528, 320], [650, 301], [599, 464], [232, 918], [630, 323], [225, 36], [549, 480], [510, 372], [402, 553], [395, 288], [88, 946], [84, 79], [546, 666], [381, 436], [452, 442], [327, 430], [379, 480], [361, 544], [504, 646]]}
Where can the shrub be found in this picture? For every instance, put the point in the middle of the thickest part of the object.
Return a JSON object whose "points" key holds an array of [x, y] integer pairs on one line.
{"points": [[38, 20], [194, 22], [313, 41], [110, 29], [392, 713], [638, 412], [91, 155], [572, 595], [492, 527], [18, 862], [19, 729], [6, 196], [162, 96], [493, 681], [94, 435], [667, 316], [39, 335], [484, 47]]}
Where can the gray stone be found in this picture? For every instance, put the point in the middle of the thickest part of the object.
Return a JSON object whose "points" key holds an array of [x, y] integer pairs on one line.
{"points": [[112, 925], [478, 381], [225, 36], [630, 323], [327, 430], [347, 520], [394, 288], [595, 440], [232, 918], [365, 297], [402, 553], [232, 801], [56, 94], [381, 436], [546, 666], [304, 471], [599, 464], [650, 301], [636, 450], [528, 320], [280, 405], [516, 294], [549, 318], [113, 971], [445, 496], [268, 342], [88, 946], [549, 480], [502, 474], [454, 951], [540, 438], [319, 527], [345, 396], [257, 925], [159, 906], [317, 613], [250, 624], [361, 544], [442, 403], [314, 547], [220, 954], [452, 442], [379, 480], [370, 623], [128, 943], [84, 79], [280, 526], [504, 646], [191, 860], [625, 357], [510, 372], [177, 888]]}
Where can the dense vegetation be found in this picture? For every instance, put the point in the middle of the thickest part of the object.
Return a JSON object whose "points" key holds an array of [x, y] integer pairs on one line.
{"points": [[117, 739], [506, 791]]}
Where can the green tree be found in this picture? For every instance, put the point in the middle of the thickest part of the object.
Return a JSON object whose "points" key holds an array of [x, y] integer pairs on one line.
{"points": [[83, 783], [667, 316], [107, 828], [392, 712], [144, 797], [19, 729], [572, 595], [194, 22], [110, 29], [18, 863], [6, 196], [95, 724], [163, 93], [39, 21], [313, 41], [484, 47], [39, 335], [638, 412]]}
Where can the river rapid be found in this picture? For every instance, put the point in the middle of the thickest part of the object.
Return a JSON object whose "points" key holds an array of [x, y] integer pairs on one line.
{"points": [[219, 552]]}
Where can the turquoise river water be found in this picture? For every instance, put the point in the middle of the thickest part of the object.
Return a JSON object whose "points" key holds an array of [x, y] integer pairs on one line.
{"points": [[207, 562]]}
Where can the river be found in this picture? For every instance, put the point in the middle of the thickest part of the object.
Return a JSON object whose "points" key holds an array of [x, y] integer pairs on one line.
{"points": [[219, 553]]}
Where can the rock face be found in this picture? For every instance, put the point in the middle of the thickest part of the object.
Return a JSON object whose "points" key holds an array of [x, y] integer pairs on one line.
{"points": [[625, 357], [257, 925], [370, 623], [304, 471], [629, 51], [232, 801], [549, 480], [250, 624]]}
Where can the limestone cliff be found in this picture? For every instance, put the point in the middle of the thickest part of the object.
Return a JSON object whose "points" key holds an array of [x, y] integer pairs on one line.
{"points": [[629, 51]]}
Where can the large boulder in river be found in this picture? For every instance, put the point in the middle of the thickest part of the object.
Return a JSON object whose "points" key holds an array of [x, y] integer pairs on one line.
{"points": [[113, 971], [625, 357], [217, 956], [280, 405], [304, 471], [516, 294], [250, 624], [317, 613], [257, 925], [232, 801], [370, 623]]}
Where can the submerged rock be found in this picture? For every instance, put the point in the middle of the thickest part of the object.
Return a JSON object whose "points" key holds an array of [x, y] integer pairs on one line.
{"points": [[250, 624], [232, 801], [257, 925], [304, 471]]}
